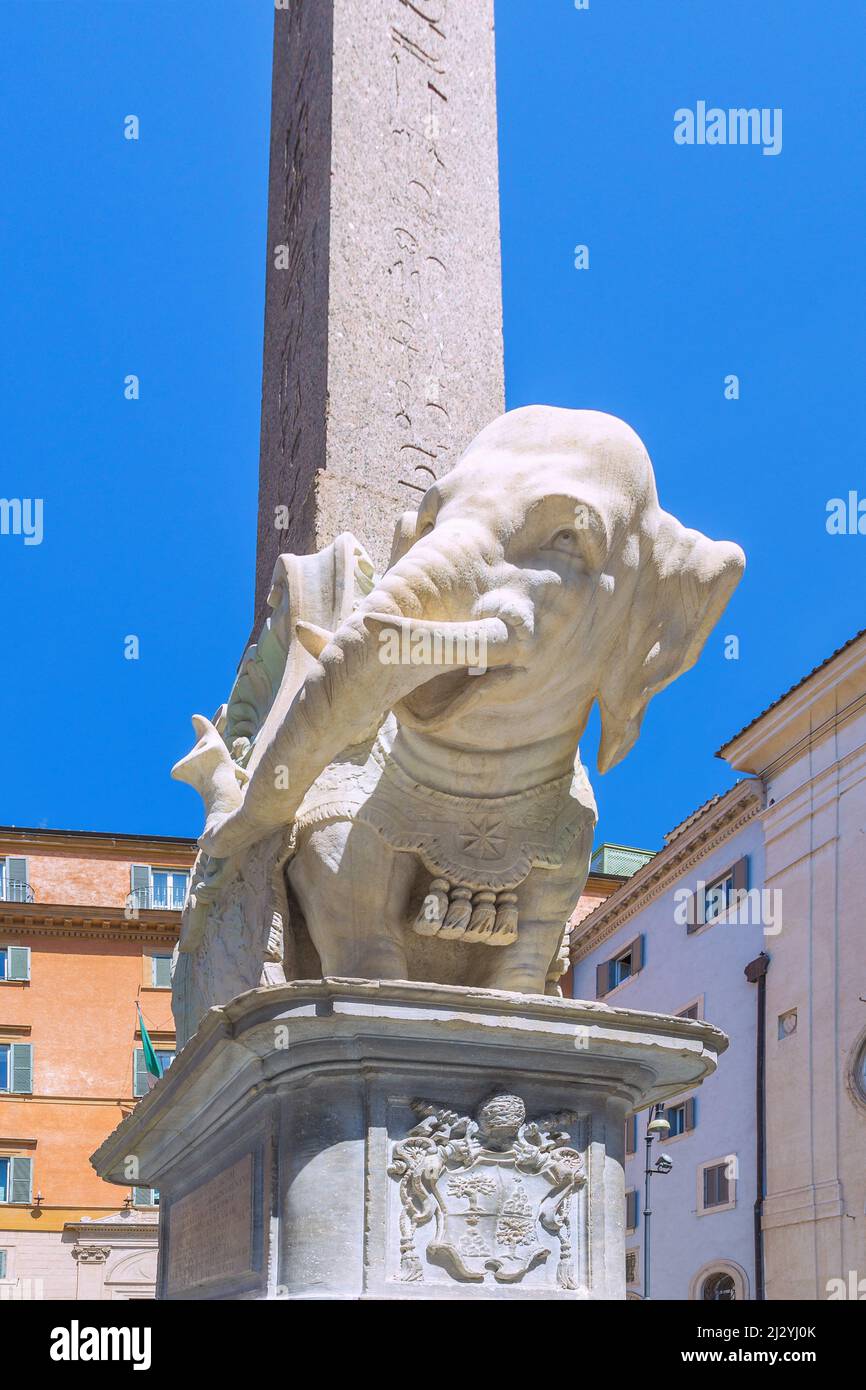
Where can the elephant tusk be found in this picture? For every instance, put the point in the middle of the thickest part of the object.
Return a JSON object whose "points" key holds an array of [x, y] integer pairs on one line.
{"points": [[484, 641]]}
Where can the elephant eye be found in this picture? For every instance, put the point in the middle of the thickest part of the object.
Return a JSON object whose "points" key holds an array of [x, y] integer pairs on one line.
{"points": [[565, 540]]}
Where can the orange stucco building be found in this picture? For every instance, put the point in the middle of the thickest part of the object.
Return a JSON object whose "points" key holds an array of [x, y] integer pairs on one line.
{"points": [[88, 923]]}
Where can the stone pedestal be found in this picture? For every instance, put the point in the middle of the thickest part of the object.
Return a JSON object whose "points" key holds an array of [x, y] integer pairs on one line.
{"points": [[353, 1139]]}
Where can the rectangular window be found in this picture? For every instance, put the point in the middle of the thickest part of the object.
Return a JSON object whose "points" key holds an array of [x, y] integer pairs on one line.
{"points": [[680, 1117], [14, 962], [717, 1186], [631, 1275], [142, 1079], [676, 1118], [16, 1068], [3, 1264], [631, 1210], [169, 887], [712, 901], [619, 968], [16, 1180], [160, 971], [158, 888], [717, 897], [693, 1010], [145, 1196]]}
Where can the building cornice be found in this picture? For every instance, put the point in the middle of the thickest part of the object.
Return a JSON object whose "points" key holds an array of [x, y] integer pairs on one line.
{"points": [[719, 822], [125, 1103], [746, 750], [93, 1229], [137, 845], [813, 736], [104, 923]]}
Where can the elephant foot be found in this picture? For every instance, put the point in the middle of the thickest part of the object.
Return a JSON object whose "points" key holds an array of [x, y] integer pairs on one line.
{"points": [[458, 915], [505, 928], [454, 912], [483, 919], [432, 911]]}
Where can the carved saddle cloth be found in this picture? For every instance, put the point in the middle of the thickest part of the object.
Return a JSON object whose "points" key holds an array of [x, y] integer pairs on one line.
{"points": [[477, 849]]}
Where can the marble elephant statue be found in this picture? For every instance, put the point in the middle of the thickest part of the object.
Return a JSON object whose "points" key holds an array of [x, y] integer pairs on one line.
{"points": [[395, 781]]}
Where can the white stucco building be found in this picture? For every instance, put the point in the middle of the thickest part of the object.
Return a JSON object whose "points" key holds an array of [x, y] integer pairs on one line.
{"points": [[640, 950], [753, 915], [809, 750]]}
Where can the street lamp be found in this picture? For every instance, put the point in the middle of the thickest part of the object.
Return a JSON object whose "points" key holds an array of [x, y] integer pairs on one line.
{"points": [[657, 1127]]}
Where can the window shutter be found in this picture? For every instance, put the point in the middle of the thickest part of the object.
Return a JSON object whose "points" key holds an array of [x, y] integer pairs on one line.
{"points": [[637, 954], [21, 1186], [16, 870], [142, 1197], [161, 972], [602, 979], [696, 914], [140, 1085], [14, 878], [139, 878], [716, 1187], [631, 1211], [2, 1264], [22, 1068], [740, 874], [631, 1134], [19, 963], [691, 1104]]}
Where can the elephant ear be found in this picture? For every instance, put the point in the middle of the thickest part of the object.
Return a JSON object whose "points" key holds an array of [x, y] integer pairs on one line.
{"points": [[405, 536], [682, 590]]}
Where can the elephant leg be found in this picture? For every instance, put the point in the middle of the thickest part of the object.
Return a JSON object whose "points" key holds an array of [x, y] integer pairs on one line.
{"points": [[545, 902], [523, 966], [353, 891]]}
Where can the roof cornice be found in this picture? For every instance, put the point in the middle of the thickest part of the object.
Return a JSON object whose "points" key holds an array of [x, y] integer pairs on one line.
{"points": [[37, 838], [745, 746], [720, 820]]}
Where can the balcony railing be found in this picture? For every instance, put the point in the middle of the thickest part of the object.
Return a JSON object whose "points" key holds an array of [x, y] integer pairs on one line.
{"points": [[14, 892], [141, 898]]}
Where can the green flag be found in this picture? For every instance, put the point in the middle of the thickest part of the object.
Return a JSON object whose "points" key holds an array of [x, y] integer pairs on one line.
{"points": [[151, 1061]]}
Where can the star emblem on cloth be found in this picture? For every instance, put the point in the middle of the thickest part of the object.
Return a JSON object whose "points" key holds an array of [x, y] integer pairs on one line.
{"points": [[484, 839]]}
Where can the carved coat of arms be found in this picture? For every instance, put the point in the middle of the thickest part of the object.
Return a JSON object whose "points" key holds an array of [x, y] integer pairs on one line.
{"points": [[492, 1186]]}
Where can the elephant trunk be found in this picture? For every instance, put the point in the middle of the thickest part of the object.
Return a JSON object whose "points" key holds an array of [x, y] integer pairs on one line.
{"points": [[371, 662], [411, 629]]}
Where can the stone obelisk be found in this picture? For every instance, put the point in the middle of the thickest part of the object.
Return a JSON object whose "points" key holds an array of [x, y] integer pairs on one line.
{"points": [[383, 318]]}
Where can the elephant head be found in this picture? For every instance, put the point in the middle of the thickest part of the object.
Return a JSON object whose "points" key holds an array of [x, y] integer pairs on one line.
{"points": [[538, 576]]}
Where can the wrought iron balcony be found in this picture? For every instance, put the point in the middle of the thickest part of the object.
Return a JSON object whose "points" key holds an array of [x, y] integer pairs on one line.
{"points": [[15, 892], [142, 898]]}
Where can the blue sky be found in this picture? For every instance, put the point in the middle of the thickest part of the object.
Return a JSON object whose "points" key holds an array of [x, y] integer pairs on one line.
{"points": [[147, 257]]}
